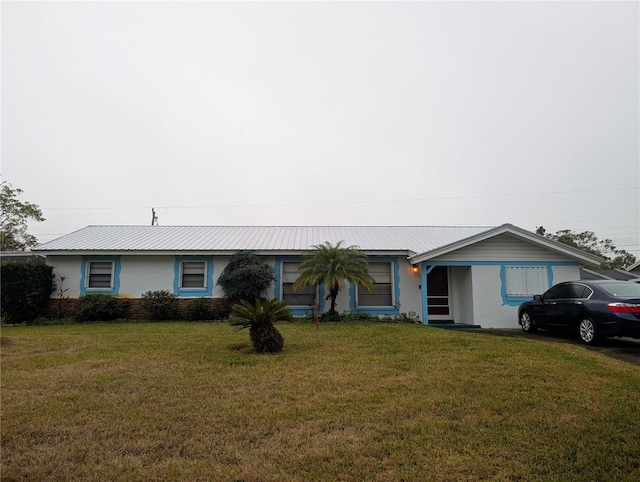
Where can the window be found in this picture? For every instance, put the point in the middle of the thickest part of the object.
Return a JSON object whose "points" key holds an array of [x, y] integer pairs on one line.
{"points": [[526, 280], [303, 296], [578, 291], [558, 292], [382, 289], [100, 274], [193, 274]]}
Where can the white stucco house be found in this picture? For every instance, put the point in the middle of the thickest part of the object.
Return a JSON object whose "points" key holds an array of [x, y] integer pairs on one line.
{"points": [[471, 275]]}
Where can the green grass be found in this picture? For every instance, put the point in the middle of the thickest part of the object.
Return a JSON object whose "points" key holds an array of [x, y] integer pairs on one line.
{"points": [[351, 402]]}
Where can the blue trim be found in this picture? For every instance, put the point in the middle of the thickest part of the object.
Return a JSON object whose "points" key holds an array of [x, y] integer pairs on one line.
{"points": [[379, 310], [193, 292], [84, 289], [424, 271], [518, 300], [278, 275]]}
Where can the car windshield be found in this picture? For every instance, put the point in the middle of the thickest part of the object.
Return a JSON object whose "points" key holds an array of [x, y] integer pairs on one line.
{"points": [[624, 289]]}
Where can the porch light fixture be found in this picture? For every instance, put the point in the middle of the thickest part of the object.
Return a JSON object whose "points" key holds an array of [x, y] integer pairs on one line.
{"points": [[415, 269]]}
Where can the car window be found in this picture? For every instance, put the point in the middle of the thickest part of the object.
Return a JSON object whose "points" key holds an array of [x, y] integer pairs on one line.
{"points": [[624, 289], [578, 291], [558, 291]]}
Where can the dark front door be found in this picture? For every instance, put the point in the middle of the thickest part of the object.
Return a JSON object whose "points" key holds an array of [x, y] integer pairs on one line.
{"points": [[438, 302]]}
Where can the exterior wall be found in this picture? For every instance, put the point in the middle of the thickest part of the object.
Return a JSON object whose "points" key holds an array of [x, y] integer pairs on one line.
{"points": [[461, 293], [138, 274], [69, 267], [410, 289], [504, 248], [491, 308]]}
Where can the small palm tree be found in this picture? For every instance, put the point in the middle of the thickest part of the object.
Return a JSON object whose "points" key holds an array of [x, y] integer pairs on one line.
{"points": [[259, 317], [332, 266]]}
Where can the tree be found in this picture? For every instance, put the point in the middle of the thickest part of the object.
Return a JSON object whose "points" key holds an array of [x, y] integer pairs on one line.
{"points": [[332, 266], [14, 215], [259, 317], [246, 277], [589, 242]]}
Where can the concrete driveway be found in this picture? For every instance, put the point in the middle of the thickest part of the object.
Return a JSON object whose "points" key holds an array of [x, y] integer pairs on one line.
{"points": [[627, 349]]}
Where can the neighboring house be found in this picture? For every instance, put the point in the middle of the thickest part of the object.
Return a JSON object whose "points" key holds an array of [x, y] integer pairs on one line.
{"points": [[21, 256], [610, 274], [474, 275], [635, 268]]}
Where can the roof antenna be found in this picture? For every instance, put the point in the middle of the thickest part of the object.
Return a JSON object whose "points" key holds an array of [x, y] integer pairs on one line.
{"points": [[154, 218]]}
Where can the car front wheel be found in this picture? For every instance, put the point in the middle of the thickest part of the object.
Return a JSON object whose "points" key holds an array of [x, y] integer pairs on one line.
{"points": [[526, 323], [587, 331]]}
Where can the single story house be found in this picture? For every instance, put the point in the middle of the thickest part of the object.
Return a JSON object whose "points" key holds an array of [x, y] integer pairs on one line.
{"points": [[608, 274], [470, 275]]}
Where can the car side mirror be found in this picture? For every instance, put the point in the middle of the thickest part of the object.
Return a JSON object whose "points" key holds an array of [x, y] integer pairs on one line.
{"points": [[537, 297]]}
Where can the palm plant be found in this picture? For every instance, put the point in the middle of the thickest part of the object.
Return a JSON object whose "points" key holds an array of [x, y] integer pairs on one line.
{"points": [[259, 317], [333, 266]]}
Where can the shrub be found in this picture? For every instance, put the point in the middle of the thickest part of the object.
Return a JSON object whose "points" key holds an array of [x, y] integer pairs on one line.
{"points": [[246, 277], [161, 305], [259, 317], [99, 307], [26, 290], [199, 309], [356, 317], [221, 310], [331, 316]]}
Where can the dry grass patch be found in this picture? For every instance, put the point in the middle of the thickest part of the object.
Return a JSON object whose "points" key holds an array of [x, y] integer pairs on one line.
{"points": [[352, 402]]}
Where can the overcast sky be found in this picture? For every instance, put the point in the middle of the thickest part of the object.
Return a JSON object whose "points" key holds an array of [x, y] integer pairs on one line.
{"points": [[364, 113]]}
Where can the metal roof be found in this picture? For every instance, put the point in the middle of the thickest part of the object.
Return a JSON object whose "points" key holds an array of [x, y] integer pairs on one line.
{"points": [[412, 239]]}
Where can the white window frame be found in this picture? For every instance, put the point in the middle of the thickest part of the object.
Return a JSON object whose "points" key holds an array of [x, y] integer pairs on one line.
{"points": [[390, 283], [523, 281], [204, 274], [90, 263]]}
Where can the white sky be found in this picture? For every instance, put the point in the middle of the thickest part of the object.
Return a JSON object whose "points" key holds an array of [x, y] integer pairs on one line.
{"points": [[364, 113]]}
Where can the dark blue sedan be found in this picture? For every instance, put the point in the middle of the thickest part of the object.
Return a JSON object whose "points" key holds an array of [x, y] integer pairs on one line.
{"points": [[592, 309]]}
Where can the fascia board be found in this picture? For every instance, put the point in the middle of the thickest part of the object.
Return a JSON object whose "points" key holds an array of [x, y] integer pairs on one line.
{"points": [[403, 253], [633, 266], [518, 233]]}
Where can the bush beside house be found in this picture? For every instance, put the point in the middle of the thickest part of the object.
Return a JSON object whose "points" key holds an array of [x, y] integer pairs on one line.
{"points": [[26, 290]]}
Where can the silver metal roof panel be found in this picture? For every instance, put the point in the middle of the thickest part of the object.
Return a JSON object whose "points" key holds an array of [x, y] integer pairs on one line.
{"points": [[416, 239]]}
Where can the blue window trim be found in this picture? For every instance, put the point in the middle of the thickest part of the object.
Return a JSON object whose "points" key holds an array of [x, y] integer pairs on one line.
{"points": [[297, 310], [207, 291], [379, 310], [517, 300], [84, 275]]}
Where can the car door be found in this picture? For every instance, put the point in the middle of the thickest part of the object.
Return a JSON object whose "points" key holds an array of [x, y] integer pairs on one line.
{"points": [[545, 313], [569, 308]]}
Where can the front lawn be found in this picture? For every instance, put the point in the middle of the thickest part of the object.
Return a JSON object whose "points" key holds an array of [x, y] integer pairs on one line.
{"points": [[351, 402]]}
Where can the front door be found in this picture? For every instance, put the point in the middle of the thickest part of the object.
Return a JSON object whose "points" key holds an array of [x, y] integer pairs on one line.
{"points": [[438, 302]]}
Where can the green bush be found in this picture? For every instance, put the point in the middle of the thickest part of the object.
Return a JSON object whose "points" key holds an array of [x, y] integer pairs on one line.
{"points": [[199, 309], [207, 309], [99, 307], [221, 310], [161, 305], [331, 316], [26, 290], [246, 277]]}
